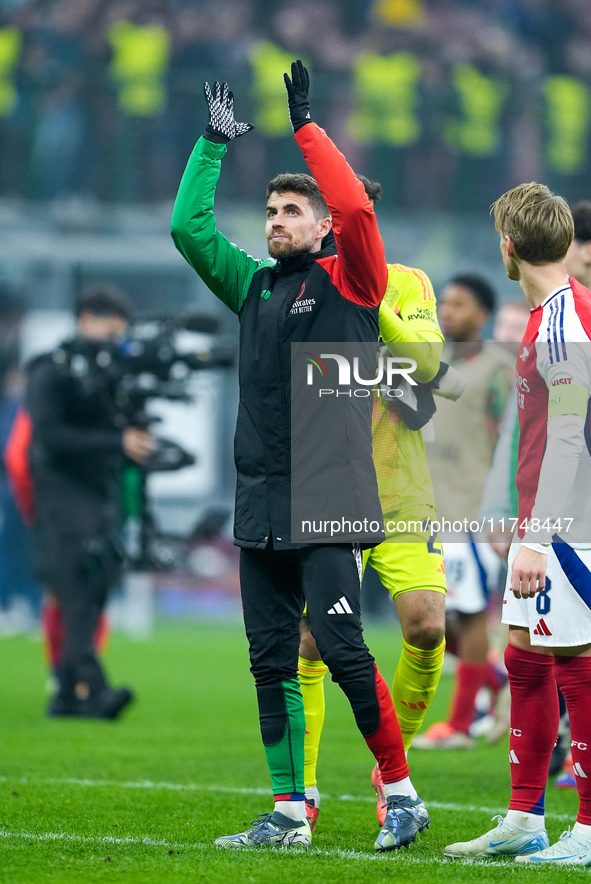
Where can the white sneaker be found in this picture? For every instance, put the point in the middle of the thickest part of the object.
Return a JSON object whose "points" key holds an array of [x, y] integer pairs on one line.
{"points": [[269, 830], [570, 849], [506, 839]]}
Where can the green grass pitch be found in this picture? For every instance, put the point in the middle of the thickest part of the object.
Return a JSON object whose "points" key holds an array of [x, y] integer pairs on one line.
{"points": [[141, 800]]}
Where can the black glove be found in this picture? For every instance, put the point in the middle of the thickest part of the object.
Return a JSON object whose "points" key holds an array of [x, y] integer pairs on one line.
{"points": [[222, 126], [297, 95]]}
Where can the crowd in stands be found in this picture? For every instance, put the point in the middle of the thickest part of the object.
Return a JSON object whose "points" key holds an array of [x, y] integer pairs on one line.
{"points": [[446, 101]]}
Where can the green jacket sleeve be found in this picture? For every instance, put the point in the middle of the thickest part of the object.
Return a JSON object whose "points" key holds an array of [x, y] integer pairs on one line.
{"points": [[223, 267]]}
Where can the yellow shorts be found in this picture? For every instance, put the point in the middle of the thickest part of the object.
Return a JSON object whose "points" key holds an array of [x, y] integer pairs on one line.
{"points": [[403, 567]]}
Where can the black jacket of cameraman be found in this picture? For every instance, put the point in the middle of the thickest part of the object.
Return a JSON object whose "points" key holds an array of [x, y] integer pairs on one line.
{"points": [[75, 458], [74, 432]]}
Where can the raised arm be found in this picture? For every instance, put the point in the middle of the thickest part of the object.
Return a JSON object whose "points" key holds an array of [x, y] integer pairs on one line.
{"points": [[224, 268], [359, 272]]}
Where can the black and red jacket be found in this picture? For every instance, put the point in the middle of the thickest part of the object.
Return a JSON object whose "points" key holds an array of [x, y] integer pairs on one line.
{"points": [[343, 289]]}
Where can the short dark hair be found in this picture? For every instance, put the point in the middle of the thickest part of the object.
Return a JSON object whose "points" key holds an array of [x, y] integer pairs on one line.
{"points": [[479, 287], [104, 299], [303, 184], [373, 189], [582, 219]]}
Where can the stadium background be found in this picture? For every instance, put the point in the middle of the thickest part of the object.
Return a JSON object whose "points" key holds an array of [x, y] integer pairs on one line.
{"points": [[448, 103]]}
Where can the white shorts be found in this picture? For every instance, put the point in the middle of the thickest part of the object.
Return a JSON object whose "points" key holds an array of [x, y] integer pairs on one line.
{"points": [[472, 572], [560, 616]]}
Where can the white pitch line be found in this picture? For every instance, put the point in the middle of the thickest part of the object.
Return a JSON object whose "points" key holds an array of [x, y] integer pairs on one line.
{"points": [[335, 853], [132, 784], [104, 839], [195, 787]]}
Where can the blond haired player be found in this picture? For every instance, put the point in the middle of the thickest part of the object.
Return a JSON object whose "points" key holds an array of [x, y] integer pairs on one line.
{"points": [[547, 601], [410, 562]]}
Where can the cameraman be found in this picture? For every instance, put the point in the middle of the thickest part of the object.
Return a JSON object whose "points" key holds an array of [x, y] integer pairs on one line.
{"points": [[79, 441]]}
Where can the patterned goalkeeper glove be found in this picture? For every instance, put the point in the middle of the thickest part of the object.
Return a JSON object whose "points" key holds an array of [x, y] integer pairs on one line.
{"points": [[222, 126], [297, 95]]}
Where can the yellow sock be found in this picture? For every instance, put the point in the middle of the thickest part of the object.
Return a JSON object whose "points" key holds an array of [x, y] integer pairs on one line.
{"points": [[413, 688], [311, 674]]}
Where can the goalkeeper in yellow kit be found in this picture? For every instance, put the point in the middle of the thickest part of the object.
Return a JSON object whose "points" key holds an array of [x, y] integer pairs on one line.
{"points": [[410, 562]]}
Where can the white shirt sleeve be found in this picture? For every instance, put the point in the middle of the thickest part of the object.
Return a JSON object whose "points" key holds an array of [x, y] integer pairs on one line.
{"points": [[566, 370]]}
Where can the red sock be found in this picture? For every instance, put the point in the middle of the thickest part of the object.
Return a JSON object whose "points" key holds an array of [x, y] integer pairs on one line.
{"points": [[469, 679], [573, 675], [52, 628], [386, 744], [534, 725]]}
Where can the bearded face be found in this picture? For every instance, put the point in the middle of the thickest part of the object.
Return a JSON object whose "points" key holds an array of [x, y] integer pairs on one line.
{"points": [[291, 227]]}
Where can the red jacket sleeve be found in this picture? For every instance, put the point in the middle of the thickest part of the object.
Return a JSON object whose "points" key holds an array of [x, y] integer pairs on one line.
{"points": [[16, 461], [359, 272]]}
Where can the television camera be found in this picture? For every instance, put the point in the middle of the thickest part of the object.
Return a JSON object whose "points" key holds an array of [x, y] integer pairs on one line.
{"points": [[155, 361]]}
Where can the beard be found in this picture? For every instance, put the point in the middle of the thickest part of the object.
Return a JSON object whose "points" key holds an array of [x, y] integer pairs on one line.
{"points": [[287, 248], [283, 249]]}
